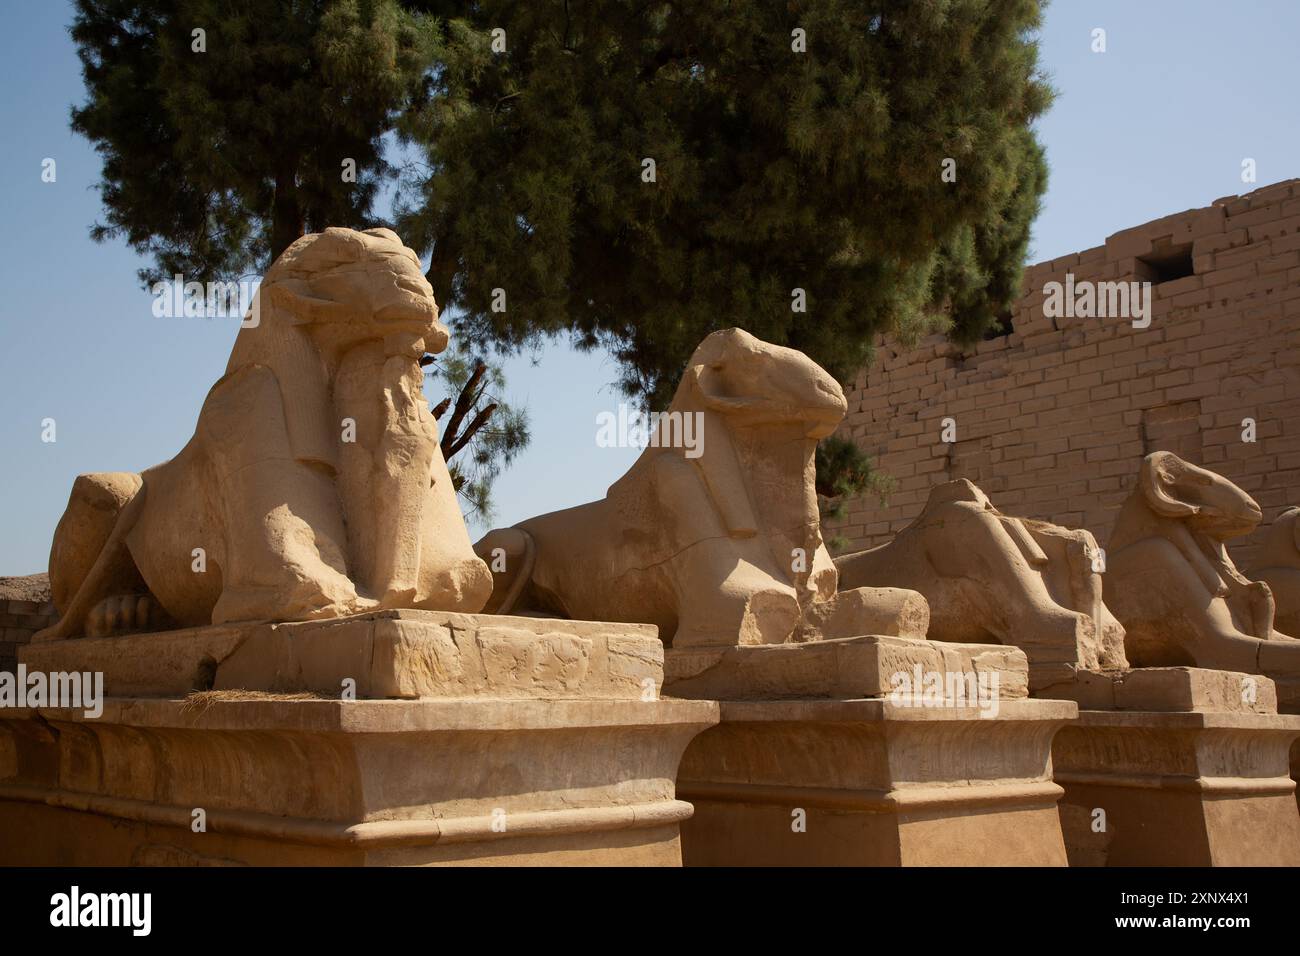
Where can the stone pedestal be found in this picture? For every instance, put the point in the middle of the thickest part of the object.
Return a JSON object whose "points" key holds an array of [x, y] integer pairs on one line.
{"points": [[883, 781], [1288, 702], [541, 750], [1295, 768], [382, 654], [1178, 767]]}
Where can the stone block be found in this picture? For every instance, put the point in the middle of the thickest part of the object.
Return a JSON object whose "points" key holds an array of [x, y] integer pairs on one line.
{"points": [[383, 654], [845, 668]]}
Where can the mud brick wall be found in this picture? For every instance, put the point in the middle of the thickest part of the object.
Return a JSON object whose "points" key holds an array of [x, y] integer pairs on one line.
{"points": [[1053, 418], [25, 608]]}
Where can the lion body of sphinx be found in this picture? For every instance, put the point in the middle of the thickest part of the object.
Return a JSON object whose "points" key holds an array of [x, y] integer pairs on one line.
{"points": [[994, 578], [1278, 566], [313, 486], [720, 549], [671, 562]]}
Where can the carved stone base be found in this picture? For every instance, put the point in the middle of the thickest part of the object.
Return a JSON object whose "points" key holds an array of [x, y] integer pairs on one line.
{"points": [[1178, 766], [397, 653], [870, 782], [838, 669], [307, 782]]}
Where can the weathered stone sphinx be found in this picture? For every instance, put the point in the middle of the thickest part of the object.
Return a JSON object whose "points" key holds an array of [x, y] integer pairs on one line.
{"points": [[1278, 566], [1173, 586], [313, 487], [704, 546], [994, 578], [350, 712], [1171, 764], [716, 542], [1163, 765], [724, 553]]}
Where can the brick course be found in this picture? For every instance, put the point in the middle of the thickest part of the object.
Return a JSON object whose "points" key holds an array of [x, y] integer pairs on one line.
{"points": [[25, 608]]}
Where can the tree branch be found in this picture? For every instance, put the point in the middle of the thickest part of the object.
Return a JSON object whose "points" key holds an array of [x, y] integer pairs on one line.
{"points": [[478, 422], [464, 402]]}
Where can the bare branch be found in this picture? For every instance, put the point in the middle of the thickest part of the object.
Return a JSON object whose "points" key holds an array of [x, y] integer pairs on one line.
{"points": [[478, 422]]}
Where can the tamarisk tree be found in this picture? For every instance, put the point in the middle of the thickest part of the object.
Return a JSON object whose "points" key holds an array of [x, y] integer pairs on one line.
{"points": [[229, 129], [637, 174]]}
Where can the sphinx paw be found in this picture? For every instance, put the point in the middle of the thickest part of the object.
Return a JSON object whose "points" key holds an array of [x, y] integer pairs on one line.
{"points": [[123, 614]]}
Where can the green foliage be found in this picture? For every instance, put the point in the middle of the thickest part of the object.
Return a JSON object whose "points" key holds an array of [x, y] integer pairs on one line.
{"points": [[845, 471], [215, 161], [980, 266], [775, 170]]}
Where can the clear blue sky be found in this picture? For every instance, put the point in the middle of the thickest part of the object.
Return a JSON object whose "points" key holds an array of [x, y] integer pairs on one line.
{"points": [[1157, 124]]}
